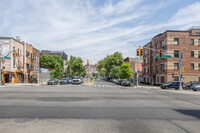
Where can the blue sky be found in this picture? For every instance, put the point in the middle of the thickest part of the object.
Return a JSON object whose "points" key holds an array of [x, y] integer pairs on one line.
{"points": [[92, 29]]}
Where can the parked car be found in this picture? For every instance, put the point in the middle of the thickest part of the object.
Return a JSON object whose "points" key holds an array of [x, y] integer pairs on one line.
{"points": [[195, 87], [77, 80], [118, 81], [192, 83], [64, 81], [52, 82], [70, 80], [173, 84], [125, 82]]}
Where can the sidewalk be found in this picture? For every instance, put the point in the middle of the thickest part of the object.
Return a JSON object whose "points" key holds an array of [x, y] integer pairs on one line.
{"points": [[22, 84], [147, 86]]}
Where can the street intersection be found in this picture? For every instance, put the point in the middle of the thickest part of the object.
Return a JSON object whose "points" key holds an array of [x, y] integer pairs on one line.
{"points": [[103, 107]]}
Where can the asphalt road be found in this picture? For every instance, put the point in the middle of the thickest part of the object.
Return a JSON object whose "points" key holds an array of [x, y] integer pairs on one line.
{"points": [[101, 108]]}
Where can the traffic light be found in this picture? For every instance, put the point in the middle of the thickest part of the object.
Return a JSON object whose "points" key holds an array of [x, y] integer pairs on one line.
{"points": [[14, 54], [2, 61], [87, 62], [159, 53], [141, 52], [137, 52]]}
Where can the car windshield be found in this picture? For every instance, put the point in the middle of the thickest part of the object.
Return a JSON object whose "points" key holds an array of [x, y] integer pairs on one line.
{"points": [[52, 80], [64, 79]]}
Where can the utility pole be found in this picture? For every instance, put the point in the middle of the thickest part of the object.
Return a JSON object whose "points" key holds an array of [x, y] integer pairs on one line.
{"points": [[137, 71], [180, 76]]}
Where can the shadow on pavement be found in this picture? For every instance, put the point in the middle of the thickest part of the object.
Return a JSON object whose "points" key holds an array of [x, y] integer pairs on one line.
{"points": [[194, 113]]}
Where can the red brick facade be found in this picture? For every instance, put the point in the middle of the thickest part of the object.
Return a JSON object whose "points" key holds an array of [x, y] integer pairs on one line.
{"points": [[158, 71]]}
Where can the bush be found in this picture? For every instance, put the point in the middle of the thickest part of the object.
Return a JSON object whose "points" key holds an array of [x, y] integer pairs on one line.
{"points": [[132, 84]]}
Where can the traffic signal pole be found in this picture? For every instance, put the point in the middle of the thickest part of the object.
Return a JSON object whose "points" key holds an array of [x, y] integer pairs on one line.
{"points": [[180, 76]]}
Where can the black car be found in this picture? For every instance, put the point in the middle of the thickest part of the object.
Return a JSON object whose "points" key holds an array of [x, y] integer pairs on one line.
{"points": [[64, 81], [52, 82], [173, 84]]}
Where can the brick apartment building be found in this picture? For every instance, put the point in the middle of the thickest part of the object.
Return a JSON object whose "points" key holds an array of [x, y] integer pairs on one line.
{"points": [[135, 63], [32, 64], [172, 42], [16, 67]]}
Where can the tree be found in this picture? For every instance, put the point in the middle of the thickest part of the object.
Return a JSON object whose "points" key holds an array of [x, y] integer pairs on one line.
{"points": [[57, 71], [75, 67], [52, 61], [126, 71], [110, 62], [115, 72]]}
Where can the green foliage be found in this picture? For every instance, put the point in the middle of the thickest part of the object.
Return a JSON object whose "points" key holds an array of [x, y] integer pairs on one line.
{"points": [[115, 72], [52, 61], [95, 74], [106, 65], [75, 67], [126, 71], [57, 71]]}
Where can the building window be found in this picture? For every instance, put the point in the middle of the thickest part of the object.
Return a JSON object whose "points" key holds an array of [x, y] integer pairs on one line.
{"points": [[14, 64], [176, 41], [197, 33], [199, 41], [176, 66], [144, 61], [162, 79], [162, 43], [157, 79], [27, 54], [192, 66], [162, 67], [192, 54], [148, 79], [176, 78], [18, 51], [176, 53], [192, 41], [199, 54], [157, 46], [199, 78], [156, 68], [144, 70], [199, 66], [27, 66], [13, 48]]}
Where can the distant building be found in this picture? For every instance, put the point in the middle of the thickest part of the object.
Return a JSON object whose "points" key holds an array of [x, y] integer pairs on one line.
{"points": [[135, 63], [91, 69], [62, 54]]}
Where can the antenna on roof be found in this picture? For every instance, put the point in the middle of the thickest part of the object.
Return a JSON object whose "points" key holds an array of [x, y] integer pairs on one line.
{"points": [[18, 38]]}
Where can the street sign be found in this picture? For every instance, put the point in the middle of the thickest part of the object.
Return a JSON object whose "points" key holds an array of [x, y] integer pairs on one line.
{"points": [[7, 58], [182, 69], [164, 56]]}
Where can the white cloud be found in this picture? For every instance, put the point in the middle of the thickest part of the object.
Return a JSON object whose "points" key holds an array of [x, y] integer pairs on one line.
{"points": [[82, 28]]}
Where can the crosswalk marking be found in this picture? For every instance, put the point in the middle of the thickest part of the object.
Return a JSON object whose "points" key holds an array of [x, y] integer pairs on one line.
{"points": [[95, 85]]}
